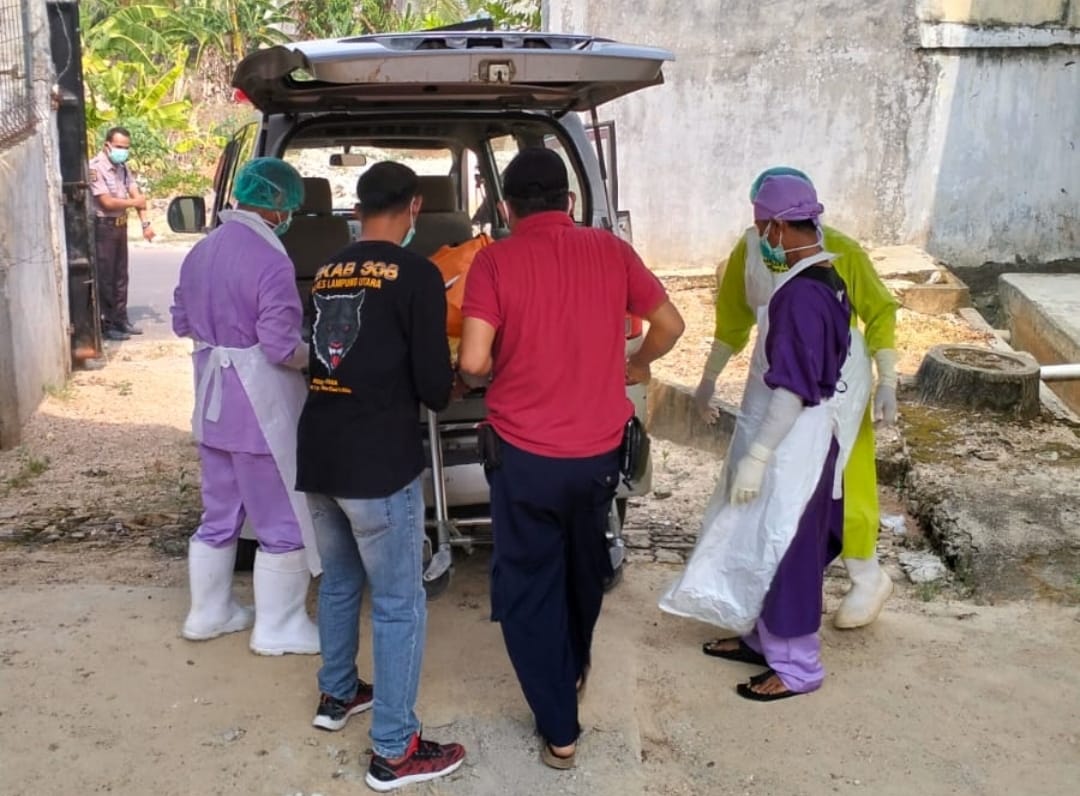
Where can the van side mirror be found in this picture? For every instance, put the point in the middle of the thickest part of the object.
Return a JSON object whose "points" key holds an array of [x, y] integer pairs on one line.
{"points": [[187, 214]]}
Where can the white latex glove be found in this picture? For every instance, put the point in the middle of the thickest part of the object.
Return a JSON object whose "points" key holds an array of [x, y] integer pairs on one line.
{"points": [[702, 400], [749, 475], [783, 411], [885, 407], [719, 355]]}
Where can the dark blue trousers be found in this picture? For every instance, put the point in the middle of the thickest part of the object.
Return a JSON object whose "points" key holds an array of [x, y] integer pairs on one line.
{"points": [[549, 517]]}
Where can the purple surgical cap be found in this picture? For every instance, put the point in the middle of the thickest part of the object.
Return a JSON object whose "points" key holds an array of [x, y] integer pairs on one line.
{"points": [[787, 197]]}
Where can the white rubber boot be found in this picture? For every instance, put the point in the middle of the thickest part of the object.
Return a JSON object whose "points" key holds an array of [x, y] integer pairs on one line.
{"points": [[281, 621], [214, 612], [870, 588]]}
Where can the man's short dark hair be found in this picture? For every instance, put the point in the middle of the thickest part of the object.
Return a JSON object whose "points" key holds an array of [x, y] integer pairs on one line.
{"points": [[535, 182], [804, 225], [386, 187], [115, 131]]}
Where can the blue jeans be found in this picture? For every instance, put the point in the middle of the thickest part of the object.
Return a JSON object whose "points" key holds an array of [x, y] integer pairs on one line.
{"points": [[378, 542]]}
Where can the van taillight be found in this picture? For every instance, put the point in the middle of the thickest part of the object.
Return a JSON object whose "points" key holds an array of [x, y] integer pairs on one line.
{"points": [[239, 96], [633, 327]]}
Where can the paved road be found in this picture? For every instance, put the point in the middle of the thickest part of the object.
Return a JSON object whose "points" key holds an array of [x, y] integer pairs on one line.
{"points": [[154, 269]]}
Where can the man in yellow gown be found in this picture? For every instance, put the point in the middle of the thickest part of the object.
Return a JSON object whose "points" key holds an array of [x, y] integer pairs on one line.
{"points": [[747, 278]]}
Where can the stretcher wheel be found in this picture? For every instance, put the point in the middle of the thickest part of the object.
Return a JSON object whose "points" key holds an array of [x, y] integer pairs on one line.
{"points": [[435, 588], [614, 580], [615, 544]]}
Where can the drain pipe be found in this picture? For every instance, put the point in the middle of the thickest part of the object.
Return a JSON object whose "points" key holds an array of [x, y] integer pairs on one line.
{"points": [[1059, 372]]}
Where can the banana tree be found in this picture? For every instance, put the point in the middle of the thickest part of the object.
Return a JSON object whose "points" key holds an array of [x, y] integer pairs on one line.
{"points": [[323, 19], [136, 96]]}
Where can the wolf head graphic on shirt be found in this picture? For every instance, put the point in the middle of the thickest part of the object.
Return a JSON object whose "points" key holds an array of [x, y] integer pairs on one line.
{"points": [[336, 327]]}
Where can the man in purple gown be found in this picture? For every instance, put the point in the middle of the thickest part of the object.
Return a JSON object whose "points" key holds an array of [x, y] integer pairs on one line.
{"points": [[806, 345], [237, 299]]}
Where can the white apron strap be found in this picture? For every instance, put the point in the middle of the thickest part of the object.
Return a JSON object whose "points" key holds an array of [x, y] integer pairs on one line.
{"points": [[277, 396], [208, 390]]}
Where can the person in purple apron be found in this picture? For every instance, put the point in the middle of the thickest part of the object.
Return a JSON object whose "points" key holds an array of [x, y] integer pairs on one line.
{"points": [[237, 299], [807, 343], [777, 518]]}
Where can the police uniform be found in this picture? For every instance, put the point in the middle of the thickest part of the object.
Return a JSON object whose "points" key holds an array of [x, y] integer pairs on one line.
{"points": [[111, 245]]}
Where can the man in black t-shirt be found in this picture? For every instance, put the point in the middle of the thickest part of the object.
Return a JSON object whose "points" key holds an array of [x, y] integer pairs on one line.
{"points": [[378, 351]]}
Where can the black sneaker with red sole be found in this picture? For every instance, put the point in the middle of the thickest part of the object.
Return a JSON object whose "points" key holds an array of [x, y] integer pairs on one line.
{"points": [[424, 760], [333, 714]]}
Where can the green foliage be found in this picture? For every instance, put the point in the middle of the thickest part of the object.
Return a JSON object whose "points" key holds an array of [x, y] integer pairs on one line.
{"points": [[137, 96], [338, 18], [147, 64], [326, 19], [511, 14], [30, 467], [928, 592], [61, 392]]}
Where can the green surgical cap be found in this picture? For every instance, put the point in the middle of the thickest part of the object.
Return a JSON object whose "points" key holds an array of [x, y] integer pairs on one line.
{"points": [[776, 171], [269, 183]]}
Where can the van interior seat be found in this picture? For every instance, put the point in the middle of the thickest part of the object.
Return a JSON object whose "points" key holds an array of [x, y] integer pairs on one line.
{"points": [[441, 222], [315, 234]]}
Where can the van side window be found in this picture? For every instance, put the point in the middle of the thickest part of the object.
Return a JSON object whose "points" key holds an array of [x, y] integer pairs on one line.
{"points": [[503, 149], [554, 144]]}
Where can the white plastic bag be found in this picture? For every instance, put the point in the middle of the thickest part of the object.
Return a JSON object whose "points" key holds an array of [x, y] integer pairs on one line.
{"points": [[740, 547]]}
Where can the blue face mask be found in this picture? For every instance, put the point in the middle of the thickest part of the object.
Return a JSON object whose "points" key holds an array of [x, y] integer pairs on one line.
{"points": [[412, 230], [283, 226], [774, 255], [117, 156]]}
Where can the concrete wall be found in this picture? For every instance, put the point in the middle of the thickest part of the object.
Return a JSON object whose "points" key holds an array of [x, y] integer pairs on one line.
{"points": [[34, 344], [950, 124]]}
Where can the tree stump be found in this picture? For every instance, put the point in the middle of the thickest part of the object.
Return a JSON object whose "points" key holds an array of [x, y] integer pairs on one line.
{"points": [[975, 378]]}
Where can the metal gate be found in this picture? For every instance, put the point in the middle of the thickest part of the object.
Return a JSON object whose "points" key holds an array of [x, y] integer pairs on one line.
{"points": [[66, 49]]}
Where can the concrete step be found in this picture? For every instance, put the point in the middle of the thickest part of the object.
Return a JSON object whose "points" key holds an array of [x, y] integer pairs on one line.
{"points": [[1043, 312]]}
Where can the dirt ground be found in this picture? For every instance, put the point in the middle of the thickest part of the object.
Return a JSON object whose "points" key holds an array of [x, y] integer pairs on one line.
{"points": [[940, 697], [99, 694]]}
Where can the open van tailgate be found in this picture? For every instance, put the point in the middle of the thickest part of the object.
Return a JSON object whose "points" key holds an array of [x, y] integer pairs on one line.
{"points": [[503, 70]]}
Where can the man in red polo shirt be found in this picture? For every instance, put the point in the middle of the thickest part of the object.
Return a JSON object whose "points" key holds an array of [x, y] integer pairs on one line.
{"points": [[544, 321]]}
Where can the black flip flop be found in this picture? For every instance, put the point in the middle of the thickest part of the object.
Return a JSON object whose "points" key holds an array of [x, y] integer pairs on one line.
{"points": [[744, 653], [758, 679], [746, 690]]}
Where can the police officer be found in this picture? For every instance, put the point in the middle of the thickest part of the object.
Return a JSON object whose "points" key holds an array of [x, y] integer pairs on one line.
{"points": [[114, 191]]}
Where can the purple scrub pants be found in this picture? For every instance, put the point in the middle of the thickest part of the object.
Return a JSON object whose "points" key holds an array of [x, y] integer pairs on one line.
{"points": [[239, 485], [787, 630], [796, 660]]}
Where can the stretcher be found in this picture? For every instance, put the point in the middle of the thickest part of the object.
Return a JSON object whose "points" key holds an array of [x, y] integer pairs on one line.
{"points": [[455, 437]]}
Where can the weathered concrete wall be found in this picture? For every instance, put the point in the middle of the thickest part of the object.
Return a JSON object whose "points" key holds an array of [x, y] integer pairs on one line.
{"points": [[1000, 178], [34, 346], [993, 12], [949, 124]]}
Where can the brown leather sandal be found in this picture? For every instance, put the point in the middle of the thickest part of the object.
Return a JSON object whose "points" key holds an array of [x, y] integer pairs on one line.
{"points": [[552, 760]]}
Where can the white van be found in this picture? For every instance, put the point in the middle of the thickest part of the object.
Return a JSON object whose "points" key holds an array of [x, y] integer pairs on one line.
{"points": [[455, 106]]}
